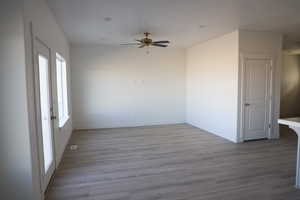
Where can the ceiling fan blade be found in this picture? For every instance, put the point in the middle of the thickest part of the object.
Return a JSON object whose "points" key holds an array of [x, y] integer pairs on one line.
{"points": [[142, 46], [130, 44], [162, 41], [159, 45]]}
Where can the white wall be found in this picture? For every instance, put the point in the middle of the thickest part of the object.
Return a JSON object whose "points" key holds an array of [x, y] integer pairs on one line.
{"points": [[266, 43], [121, 87], [212, 85], [16, 178], [47, 30]]}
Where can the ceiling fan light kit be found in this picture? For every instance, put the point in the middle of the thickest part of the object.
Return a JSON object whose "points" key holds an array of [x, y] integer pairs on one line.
{"points": [[147, 42]]}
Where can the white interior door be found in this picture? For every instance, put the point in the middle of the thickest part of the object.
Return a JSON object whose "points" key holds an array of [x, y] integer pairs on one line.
{"points": [[257, 101], [44, 111]]}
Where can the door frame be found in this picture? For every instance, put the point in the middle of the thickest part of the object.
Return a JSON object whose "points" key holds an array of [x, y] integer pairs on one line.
{"points": [[40, 155], [241, 98]]}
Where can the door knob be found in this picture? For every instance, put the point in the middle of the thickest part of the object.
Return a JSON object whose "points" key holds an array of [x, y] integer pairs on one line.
{"points": [[247, 104]]}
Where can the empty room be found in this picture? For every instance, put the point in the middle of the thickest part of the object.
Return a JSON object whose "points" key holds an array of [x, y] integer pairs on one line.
{"points": [[150, 100]]}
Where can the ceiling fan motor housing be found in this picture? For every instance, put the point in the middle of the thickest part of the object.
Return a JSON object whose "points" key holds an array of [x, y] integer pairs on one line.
{"points": [[147, 41]]}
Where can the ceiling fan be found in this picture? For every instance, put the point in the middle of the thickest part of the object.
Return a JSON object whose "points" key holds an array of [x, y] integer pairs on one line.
{"points": [[146, 42]]}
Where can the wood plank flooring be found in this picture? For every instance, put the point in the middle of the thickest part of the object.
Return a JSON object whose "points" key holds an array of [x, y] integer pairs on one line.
{"points": [[174, 162]]}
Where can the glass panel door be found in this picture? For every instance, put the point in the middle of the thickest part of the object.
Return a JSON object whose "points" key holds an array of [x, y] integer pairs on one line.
{"points": [[43, 90], [45, 111]]}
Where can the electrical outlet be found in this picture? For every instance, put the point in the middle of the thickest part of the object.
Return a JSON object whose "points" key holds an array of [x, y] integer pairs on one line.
{"points": [[73, 147]]}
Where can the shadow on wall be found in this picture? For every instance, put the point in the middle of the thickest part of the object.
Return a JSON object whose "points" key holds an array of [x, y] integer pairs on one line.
{"points": [[290, 86]]}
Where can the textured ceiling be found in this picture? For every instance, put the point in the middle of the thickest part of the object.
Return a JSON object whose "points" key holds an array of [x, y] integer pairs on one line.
{"points": [[183, 22]]}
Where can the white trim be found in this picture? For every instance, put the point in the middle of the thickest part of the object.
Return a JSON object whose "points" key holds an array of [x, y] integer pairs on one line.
{"points": [[30, 76], [241, 96]]}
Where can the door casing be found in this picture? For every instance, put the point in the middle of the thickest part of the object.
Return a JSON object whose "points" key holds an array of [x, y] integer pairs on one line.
{"points": [[241, 100]]}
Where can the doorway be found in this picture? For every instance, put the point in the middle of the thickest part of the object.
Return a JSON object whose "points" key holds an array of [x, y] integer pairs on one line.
{"points": [[44, 111], [256, 97], [290, 87]]}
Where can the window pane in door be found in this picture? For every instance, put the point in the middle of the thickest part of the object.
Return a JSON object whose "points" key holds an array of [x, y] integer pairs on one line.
{"points": [[45, 111], [59, 90], [65, 90], [62, 93]]}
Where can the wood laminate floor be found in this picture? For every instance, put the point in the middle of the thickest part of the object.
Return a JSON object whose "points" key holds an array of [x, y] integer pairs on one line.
{"points": [[174, 162]]}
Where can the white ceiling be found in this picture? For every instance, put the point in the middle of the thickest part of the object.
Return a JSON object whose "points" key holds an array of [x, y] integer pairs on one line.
{"points": [[180, 21]]}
